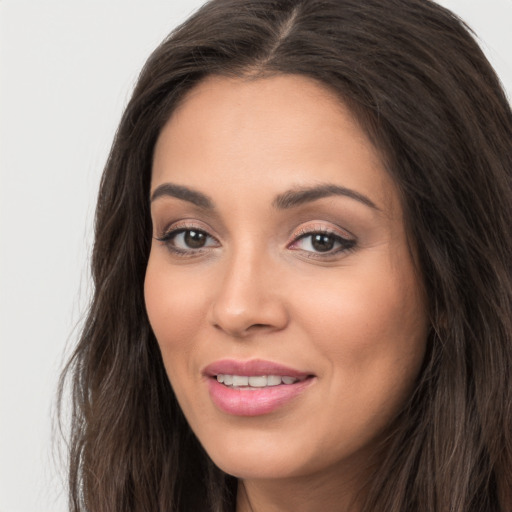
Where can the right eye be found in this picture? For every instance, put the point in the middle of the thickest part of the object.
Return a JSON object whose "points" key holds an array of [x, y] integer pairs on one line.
{"points": [[188, 240]]}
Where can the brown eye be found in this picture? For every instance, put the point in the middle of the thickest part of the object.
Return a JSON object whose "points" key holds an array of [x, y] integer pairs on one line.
{"points": [[322, 242], [183, 241], [194, 239]]}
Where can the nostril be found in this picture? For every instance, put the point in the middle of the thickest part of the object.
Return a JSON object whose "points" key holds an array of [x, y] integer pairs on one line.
{"points": [[247, 315]]}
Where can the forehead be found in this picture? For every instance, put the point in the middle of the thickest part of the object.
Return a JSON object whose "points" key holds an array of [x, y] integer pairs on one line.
{"points": [[270, 133]]}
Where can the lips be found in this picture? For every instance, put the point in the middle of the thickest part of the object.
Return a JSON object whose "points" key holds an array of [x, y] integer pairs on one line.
{"points": [[253, 388]]}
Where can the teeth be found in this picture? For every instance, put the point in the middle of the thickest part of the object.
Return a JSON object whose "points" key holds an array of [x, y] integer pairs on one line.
{"points": [[240, 381], [257, 381], [273, 380]]}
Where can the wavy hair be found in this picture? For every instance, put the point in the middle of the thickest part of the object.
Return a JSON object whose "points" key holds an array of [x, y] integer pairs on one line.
{"points": [[421, 88]]}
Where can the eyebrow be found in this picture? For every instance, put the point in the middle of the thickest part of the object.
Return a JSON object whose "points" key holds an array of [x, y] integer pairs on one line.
{"points": [[185, 194], [284, 201], [301, 195]]}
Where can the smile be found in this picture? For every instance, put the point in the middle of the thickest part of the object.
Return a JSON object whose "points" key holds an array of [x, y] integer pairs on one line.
{"points": [[255, 387], [255, 381]]}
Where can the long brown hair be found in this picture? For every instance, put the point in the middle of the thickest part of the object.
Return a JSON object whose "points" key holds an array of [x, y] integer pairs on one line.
{"points": [[429, 100]]}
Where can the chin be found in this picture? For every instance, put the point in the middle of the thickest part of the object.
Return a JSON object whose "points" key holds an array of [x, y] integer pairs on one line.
{"points": [[277, 455], [257, 459]]}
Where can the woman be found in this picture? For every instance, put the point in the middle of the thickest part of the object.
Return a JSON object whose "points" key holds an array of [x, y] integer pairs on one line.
{"points": [[302, 270]]}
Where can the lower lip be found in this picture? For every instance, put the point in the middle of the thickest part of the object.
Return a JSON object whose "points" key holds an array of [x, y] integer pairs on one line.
{"points": [[254, 402]]}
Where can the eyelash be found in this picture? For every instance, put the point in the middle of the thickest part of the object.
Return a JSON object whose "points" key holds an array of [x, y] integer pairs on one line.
{"points": [[346, 244], [168, 237]]}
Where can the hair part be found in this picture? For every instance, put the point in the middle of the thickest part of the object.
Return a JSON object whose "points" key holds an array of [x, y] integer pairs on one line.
{"points": [[428, 99]]}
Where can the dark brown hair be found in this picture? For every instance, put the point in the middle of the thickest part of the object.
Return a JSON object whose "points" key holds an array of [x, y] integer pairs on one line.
{"points": [[429, 100]]}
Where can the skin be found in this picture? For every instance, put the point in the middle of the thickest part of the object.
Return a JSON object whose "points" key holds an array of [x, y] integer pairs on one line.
{"points": [[354, 317]]}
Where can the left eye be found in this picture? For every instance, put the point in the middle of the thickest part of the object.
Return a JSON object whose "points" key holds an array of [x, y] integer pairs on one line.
{"points": [[322, 243], [191, 239], [187, 239]]}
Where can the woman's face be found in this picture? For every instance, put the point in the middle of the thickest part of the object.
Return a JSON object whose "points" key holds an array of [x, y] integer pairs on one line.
{"points": [[280, 285]]}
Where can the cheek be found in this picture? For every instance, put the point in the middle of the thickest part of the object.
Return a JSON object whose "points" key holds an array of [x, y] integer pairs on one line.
{"points": [[174, 306], [176, 312], [371, 332], [371, 328]]}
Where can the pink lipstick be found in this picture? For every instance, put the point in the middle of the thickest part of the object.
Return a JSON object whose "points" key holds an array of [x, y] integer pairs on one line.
{"points": [[255, 387]]}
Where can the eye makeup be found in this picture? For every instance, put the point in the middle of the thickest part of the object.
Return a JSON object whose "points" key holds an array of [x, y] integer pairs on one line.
{"points": [[315, 240], [321, 242]]}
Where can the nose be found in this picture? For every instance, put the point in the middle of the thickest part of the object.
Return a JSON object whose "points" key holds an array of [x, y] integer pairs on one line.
{"points": [[247, 300]]}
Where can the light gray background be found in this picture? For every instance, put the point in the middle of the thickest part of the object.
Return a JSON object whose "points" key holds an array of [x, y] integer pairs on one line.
{"points": [[66, 71]]}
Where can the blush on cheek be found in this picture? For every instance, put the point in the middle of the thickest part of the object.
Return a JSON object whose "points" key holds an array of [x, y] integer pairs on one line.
{"points": [[370, 322], [173, 296]]}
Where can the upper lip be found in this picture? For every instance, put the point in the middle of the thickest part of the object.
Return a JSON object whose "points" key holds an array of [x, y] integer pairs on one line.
{"points": [[252, 368]]}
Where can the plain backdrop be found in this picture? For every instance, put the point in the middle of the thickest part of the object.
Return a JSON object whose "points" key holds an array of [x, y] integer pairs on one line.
{"points": [[67, 68]]}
